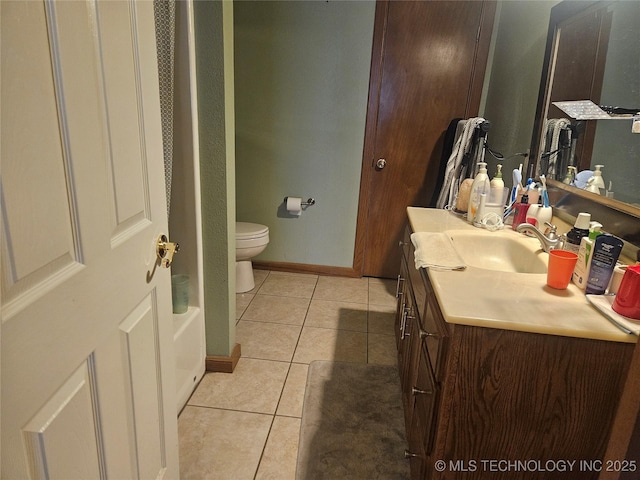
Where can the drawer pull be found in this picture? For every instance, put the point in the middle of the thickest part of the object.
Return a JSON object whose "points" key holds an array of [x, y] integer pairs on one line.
{"points": [[403, 324], [424, 334], [417, 391], [398, 292]]}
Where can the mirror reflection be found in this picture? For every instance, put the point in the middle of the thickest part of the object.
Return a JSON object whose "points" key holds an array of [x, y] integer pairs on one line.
{"points": [[594, 56]]}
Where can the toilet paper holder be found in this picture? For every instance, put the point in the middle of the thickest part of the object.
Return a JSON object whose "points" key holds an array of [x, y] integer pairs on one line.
{"points": [[310, 201]]}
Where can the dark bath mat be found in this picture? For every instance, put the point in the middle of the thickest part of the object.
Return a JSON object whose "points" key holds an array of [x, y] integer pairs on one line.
{"points": [[352, 423]]}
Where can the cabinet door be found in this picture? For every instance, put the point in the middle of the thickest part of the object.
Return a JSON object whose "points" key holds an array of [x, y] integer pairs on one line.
{"points": [[423, 397], [414, 453], [435, 335], [425, 392]]}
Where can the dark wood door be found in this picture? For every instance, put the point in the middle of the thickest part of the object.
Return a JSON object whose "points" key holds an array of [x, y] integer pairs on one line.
{"points": [[581, 57], [428, 66]]}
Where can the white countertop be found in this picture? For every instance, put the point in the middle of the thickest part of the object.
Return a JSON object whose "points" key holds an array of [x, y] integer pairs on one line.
{"points": [[507, 300]]}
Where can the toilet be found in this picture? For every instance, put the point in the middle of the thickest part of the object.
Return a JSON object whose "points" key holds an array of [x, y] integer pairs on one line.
{"points": [[251, 240]]}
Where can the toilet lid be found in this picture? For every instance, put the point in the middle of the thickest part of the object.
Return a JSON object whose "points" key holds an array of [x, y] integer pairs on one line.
{"points": [[246, 230]]}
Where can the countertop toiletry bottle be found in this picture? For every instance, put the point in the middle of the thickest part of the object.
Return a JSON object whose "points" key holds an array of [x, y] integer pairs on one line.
{"points": [[480, 185], [570, 176], [521, 209], [606, 250], [496, 187], [580, 229], [591, 186], [585, 255], [597, 175]]}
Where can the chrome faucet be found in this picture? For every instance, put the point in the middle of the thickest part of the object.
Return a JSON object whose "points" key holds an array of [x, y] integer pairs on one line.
{"points": [[550, 241]]}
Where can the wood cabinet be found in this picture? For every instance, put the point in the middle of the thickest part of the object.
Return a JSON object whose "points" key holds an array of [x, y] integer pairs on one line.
{"points": [[495, 403]]}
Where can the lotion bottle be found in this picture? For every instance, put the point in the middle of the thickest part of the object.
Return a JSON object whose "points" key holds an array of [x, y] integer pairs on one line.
{"points": [[496, 187], [606, 250], [585, 255], [480, 185]]}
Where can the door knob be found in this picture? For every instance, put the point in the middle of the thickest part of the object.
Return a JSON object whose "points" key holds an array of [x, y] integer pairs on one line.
{"points": [[165, 250], [381, 163]]}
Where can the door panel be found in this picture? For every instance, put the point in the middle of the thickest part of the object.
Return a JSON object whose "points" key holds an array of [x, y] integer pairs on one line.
{"points": [[127, 157], [35, 262], [53, 452], [138, 333], [87, 354], [432, 62]]}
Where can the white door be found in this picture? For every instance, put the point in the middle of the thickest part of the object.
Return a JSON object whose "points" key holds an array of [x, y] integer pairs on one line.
{"points": [[87, 357]]}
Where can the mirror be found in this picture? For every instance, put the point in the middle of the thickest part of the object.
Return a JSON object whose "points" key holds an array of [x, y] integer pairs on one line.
{"points": [[592, 54]]}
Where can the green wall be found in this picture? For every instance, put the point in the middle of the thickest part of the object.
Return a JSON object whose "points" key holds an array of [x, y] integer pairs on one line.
{"points": [[513, 76], [301, 80], [214, 65]]}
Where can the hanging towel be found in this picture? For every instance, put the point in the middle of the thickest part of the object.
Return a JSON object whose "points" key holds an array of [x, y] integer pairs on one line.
{"points": [[436, 250], [450, 137], [554, 126], [452, 180]]}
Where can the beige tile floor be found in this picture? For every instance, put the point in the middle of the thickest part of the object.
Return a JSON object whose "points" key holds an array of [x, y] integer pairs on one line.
{"points": [[245, 425]]}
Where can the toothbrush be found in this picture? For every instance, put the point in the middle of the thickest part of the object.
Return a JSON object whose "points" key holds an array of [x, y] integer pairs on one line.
{"points": [[517, 179], [517, 182]]}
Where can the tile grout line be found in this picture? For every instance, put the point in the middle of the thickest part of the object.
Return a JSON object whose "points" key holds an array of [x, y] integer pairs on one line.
{"points": [[285, 380]]}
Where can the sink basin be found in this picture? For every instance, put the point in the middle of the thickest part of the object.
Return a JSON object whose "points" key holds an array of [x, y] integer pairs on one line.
{"points": [[503, 251]]}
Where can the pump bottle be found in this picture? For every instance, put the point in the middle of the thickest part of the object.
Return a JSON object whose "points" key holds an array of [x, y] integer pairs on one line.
{"points": [[480, 185], [496, 187]]}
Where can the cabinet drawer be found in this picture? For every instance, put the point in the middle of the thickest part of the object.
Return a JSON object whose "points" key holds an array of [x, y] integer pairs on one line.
{"points": [[417, 278], [405, 244], [433, 327]]}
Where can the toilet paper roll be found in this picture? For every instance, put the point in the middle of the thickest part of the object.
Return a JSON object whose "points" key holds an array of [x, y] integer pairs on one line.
{"points": [[294, 205]]}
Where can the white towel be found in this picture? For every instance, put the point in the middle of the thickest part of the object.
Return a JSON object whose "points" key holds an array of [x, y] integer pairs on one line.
{"points": [[604, 305], [436, 250]]}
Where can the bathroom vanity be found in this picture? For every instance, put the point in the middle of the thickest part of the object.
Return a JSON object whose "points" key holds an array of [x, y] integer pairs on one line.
{"points": [[502, 377]]}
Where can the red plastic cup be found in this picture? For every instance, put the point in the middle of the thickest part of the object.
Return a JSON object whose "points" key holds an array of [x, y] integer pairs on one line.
{"points": [[561, 265], [627, 301]]}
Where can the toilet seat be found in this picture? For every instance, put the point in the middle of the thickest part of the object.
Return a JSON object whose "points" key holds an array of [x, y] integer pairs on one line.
{"points": [[250, 231]]}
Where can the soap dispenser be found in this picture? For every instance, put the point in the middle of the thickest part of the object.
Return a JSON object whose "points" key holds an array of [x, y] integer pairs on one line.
{"points": [[480, 185], [496, 191], [598, 180]]}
